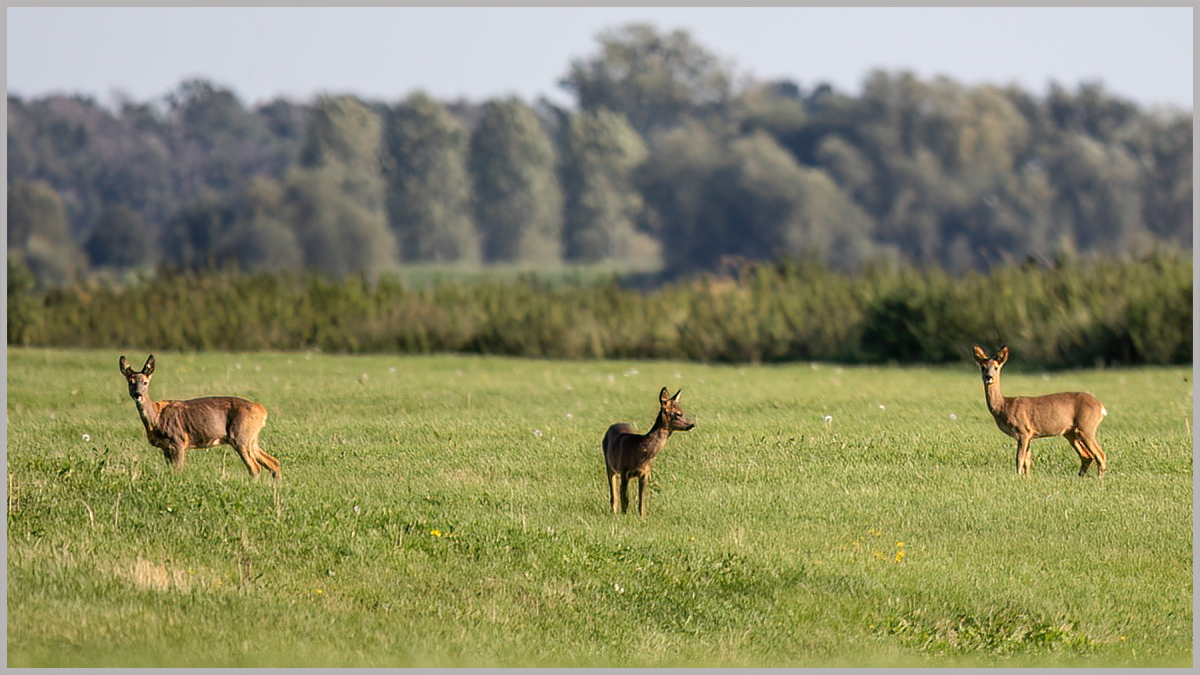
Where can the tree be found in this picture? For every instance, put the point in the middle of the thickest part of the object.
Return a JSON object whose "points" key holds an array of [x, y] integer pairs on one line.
{"points": [[601, 204], [747, 196], [93, 158], [38, 233], [429, 190], [335, 198], [120, 239], [655, 80], [775, 107], [259, 238], [217, 141], [672, 182], [518, 201], [1099, 198], [1162, 146], [192, 238]]}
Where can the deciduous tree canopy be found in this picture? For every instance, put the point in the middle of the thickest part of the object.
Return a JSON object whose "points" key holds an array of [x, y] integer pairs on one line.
{"points": [[665, 140]]}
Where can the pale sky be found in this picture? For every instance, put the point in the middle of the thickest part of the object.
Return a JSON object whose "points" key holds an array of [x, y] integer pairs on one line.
{"points": [[385, 53]]}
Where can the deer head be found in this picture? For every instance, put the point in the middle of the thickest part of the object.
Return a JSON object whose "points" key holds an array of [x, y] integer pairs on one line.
{"points": [[989, 366], [672, 413], [139, 380]]}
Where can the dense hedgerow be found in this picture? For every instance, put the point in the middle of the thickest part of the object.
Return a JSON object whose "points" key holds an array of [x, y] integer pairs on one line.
{"points": [[1075, 314]]}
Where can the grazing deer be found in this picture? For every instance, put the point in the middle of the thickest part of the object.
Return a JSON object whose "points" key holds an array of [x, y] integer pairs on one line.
{"points": [[1073, 415], [628, 454], [178, 426]]}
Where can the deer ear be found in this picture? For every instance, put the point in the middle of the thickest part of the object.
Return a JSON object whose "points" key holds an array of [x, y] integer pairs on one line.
{"points": [[676, 396], [980, 354], [148, 369], [1002, 355], [125, 369], [664, 395]]}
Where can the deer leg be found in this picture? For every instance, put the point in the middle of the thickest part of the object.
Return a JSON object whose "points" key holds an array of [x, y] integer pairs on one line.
{"points": [[1093, 446], [624, 493], [1024, 457], [175, 454], [614, 480], [266, 460], [642, 494], [247, 454], [1085, 457]]}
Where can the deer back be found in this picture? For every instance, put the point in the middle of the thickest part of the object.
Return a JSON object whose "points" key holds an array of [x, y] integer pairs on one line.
{"points": [[622, 447], [1053, 414], [210, 420]]}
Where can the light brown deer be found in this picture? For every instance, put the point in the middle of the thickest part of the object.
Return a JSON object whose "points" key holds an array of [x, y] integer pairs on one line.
{"points": [[1072, 415], [628, 454], [178, 426]]}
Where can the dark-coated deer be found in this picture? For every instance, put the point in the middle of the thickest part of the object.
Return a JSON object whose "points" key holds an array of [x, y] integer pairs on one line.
{"points": [[628, 454], [178, 426], [1073, 415]]}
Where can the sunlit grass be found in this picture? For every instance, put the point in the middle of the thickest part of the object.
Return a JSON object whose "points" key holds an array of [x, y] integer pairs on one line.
{"points": [[453, 511]]}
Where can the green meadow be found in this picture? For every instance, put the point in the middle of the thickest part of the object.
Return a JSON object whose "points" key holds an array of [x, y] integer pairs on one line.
{"points": [[453, 511]]}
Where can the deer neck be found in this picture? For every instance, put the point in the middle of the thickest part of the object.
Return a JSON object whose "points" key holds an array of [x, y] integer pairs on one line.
{"points": [[149, 411], [995, 399], [657, 437]]}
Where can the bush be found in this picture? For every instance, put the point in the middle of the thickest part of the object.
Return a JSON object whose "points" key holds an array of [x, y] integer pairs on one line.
{"points": [[1130, 312]]}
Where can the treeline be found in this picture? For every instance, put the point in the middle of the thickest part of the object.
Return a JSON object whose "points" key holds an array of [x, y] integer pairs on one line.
{"points": [[1073, 314], [669, 154]]}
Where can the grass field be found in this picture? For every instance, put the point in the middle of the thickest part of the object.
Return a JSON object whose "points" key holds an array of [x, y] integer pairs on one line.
{"points": [[452, 511]]}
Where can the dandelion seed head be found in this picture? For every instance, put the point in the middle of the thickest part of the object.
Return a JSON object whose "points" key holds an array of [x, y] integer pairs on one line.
{"points": [[953, 416]]}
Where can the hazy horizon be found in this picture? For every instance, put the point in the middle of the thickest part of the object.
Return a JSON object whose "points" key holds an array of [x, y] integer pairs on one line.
{"points": [[385, 53]]}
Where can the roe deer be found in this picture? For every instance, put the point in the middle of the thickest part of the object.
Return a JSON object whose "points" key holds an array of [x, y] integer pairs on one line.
{"points": [[1073, 415], [178, 426], [628, 454]]}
